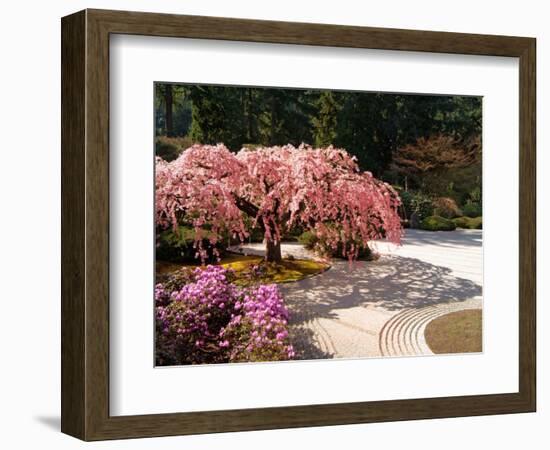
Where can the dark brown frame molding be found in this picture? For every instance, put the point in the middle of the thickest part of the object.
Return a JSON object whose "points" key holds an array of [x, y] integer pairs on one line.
{"points": [[85, 224]]}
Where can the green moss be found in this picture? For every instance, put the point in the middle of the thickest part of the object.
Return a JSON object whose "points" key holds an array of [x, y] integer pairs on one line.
{"points": [[437, 223], [471, 223], [254, 269], [249, 271]]}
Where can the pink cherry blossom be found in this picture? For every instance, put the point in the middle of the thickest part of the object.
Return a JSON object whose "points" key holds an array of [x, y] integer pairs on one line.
{"points": [[321, 189]]}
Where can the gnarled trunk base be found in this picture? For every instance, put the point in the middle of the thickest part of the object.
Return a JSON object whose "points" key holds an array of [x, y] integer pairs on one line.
{"points": [[273, 251]]}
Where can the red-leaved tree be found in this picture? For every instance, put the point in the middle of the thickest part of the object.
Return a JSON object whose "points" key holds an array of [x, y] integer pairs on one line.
{"points": [[321, 189]]}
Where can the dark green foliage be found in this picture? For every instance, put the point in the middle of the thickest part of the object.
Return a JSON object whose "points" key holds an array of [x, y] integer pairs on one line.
{"points": [[310, 241], [325, 121], [172, 110], [169, 148], [177, 246], [368, 127], [374, 127], [371, 126], [241, 117], [437, 223], [293, 234], [417, 204], [166, 149], [285, 118], [475, 195], [475, 223], [457, 183], [256, 235], [217, 116], [472, 209]]}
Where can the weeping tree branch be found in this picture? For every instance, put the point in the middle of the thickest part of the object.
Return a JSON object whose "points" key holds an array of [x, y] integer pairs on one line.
{"points": [[246, 206]]}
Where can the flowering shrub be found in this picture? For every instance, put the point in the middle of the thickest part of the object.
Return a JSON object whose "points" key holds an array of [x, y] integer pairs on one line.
{"points": [[166, 284], [211, 320]]}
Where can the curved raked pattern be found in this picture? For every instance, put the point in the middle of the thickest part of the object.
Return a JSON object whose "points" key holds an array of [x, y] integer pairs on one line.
{"points": [[403, 334], [323, 338]]}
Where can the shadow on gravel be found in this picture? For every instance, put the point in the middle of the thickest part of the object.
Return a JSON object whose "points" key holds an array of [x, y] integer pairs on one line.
{"points": [[304, 344], [392, 283]]}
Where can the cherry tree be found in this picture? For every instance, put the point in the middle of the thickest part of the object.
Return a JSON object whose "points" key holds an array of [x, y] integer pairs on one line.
{"points": [[278, 188]]}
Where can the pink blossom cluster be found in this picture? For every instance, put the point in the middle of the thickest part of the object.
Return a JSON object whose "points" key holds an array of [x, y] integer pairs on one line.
{"points": [[211, 320], [321, 189], [263, 314], [200, 185]]}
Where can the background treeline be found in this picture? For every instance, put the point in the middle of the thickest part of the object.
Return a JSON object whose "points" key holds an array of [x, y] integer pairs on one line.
{"points": [[425, 143]]}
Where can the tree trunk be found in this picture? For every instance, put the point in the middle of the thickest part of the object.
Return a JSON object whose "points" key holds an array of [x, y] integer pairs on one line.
{"points": [[273, 251], [251, 136], [169, 103], [273, 121]]}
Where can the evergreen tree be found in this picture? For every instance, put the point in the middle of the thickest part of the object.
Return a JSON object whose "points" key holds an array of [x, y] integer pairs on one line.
{"points": [[358, 131], [217, 116], [371, 126], [325, 121]]}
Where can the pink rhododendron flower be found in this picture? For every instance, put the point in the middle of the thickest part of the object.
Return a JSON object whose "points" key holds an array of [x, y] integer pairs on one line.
{"points": [[192, 327]]}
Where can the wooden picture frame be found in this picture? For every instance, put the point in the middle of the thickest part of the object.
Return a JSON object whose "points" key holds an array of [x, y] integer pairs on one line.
{"points": [[85, 224]]}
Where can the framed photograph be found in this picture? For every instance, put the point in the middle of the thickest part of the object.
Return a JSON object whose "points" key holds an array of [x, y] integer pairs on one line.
{"points": [[273, 225]]}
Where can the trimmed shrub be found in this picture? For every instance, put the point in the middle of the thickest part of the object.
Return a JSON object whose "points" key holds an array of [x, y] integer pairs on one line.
{"points": [[211, 320], [416, 205], [462, 222], [165, 149], [446, 207], [437, 223], [312, 242], [475, 223], [472, 209], [169, 148]]}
